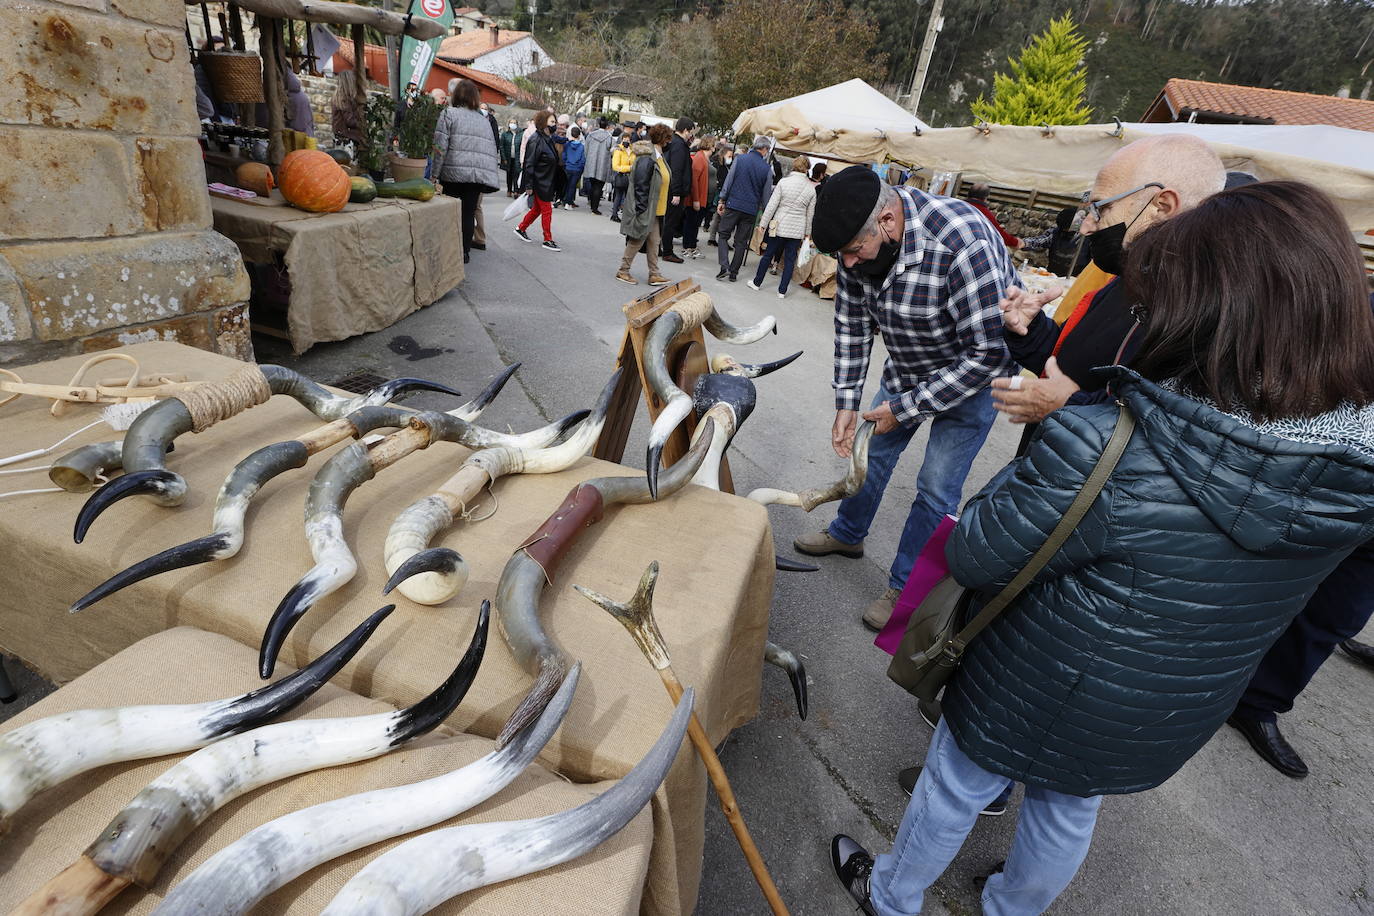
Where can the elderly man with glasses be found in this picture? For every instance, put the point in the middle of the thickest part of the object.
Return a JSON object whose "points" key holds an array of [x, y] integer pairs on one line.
{"points": [[1144, 183]]}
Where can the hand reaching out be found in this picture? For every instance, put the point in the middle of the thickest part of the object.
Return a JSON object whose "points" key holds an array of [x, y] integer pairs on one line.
{"points": [[1020, 307]]}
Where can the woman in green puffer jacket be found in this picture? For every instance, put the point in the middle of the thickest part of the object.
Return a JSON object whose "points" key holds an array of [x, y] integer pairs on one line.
{"points": [[1249, 478]]}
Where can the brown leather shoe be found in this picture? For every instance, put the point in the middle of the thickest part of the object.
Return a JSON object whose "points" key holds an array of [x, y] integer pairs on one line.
{"points": [[659, 280], [821, 544], [624, 277], [879, 610]]}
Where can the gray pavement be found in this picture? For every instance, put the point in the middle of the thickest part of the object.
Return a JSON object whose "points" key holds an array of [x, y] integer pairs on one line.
{"points": [[1227, 835]]}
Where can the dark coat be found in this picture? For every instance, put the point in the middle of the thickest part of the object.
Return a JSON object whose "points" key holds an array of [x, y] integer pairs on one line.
{"points": [[1133, 646], [543, 168], [679, 157], [646, 184]]}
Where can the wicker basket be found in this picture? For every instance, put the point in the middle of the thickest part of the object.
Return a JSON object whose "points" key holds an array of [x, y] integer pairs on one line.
{"points": [[235, 75]]}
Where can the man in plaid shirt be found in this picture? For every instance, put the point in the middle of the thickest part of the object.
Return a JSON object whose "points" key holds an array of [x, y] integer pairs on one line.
{"points": [[926, 273]]}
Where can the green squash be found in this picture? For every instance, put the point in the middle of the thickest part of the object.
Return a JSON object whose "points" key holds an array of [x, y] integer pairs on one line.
{"points": [[340, 156], [362, 190], [414, 189]]}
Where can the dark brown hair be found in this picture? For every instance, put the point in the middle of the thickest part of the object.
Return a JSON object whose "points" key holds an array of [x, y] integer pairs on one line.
{"points": [[1256, 299], [660, 134], [466, 95], [542, 119]]}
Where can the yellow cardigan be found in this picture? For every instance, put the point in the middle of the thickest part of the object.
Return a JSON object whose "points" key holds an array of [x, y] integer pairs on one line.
{"points": [[622, 159], [663, 188]]}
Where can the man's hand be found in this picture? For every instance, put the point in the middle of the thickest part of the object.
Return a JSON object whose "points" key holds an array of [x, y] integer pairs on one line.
{"points": [[1020, 307], [1026, 400], [883, 418], [696, 205], [842, 433], [720, 208], [675, 201]]}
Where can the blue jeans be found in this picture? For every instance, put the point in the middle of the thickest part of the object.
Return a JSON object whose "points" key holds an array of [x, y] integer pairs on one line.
{"points": [[570, 189], [1053, 833], [790, 249], [955, 437]]}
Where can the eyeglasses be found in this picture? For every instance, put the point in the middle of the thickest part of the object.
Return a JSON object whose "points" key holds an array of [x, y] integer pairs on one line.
{"points": [[1095, 207]]}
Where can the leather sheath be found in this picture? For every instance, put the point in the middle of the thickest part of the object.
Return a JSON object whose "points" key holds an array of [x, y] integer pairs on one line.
{"points": [[582, 508]]}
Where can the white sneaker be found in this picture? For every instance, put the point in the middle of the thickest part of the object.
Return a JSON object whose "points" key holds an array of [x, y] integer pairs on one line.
{"points": [[782, 295], [752, 285]]}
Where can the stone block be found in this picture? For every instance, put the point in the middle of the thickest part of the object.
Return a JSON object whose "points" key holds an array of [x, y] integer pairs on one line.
{"points": [[233, 335], [76, 289], [171, 182], [14, 311], [55, 184], [191, 330], [162, 12], [65, 68]]}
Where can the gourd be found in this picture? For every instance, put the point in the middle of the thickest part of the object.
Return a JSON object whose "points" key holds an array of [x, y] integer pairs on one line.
{"points": [[363, 190], [414, 189], [340, 156], [256, 177], [311, 180]]}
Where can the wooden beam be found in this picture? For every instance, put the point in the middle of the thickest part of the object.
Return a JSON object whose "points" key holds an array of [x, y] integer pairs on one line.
{"points": [[273, 87], [335, 12]]}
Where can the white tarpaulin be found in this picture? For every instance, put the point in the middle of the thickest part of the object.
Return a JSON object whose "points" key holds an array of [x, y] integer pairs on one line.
{"points": [[1064, 160], [852, 105]]}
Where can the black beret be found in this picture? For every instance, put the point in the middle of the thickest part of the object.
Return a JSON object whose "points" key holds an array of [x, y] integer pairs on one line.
{"points": [[846, 200]]}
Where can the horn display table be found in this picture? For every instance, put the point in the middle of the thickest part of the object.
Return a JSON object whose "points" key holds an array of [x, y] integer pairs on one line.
{"points": [[186, 665], [361, 269], [715, 550]]}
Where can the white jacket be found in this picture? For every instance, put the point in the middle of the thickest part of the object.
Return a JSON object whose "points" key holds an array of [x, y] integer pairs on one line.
{"points": [[792, 205]]}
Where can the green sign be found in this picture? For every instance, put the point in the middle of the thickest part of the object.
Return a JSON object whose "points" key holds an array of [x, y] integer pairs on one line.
{"points": [[418, 56]]}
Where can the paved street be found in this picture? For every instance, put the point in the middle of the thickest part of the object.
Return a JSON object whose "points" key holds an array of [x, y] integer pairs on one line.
{"points": [[1228, 835]]}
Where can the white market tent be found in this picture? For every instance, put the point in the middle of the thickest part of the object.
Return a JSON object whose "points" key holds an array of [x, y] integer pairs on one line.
{"points": [[851, 106], [1063, 160]]}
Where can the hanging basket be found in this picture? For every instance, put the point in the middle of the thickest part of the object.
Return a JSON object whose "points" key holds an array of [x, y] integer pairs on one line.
{"points": [[235, 75]]}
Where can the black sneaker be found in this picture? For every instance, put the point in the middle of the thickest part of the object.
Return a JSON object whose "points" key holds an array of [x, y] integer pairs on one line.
{"points": [[478, 247], [734, 277], [907, 780], [551, 245], [853, 865], [981, 881], [524, 235], [615, 219], [930, 711], [724, 272]]}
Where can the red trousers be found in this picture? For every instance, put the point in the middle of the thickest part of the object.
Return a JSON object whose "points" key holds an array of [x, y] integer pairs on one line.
{"points": [[544, 211]]}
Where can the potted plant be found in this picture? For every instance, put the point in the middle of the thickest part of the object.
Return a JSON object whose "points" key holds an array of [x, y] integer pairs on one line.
{"points": [[416, 137], [378, 116]]}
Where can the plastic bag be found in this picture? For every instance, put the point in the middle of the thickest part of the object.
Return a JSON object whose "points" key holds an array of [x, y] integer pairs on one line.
{"points": [[520, 205], [808, 251]]}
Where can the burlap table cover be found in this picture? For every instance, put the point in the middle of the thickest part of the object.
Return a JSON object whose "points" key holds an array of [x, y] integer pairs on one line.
{"points": [[712, 602], [361, 269], [186, 665]]}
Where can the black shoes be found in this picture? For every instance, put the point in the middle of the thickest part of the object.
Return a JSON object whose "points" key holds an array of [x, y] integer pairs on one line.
{"points": [[524, 235], [477, 247], [1361, 652], [615, 219], [1270, 744], [670, 258], [853, 865], [930, 711], [551, 245], [907, 780], [734, 277], [724, 272]]}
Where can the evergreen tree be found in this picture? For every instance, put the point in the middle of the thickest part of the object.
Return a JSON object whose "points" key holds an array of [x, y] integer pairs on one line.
{"points": [[1046, 84]]}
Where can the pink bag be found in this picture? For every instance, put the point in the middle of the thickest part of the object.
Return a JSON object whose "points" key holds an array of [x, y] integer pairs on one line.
{"points": [[930, 568]]}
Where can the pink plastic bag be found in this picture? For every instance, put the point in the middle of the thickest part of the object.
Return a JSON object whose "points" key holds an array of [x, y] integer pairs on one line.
{"points": [[930, 568]]}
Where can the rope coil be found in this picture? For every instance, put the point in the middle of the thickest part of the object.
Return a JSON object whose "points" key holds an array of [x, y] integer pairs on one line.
{"points": [[214, 401]]}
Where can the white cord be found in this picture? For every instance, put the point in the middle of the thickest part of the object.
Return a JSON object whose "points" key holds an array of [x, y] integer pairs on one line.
{"points": [[31, 492], [40, 467], [38, 453]]}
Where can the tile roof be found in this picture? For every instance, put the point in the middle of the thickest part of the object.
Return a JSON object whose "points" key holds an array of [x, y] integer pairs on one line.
{"points": [[1276, 105], [377, 70], [472, 45], [627, 84]]}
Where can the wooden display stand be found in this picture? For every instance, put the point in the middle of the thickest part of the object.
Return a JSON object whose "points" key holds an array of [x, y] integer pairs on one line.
{"points": [[687, 361]]}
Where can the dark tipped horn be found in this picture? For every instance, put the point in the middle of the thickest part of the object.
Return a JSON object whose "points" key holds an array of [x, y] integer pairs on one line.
{"points": [[291, 609], [436, 559], [652, 460], [192, 553], [789, 564], [568, 423], [435, 708], [757, 370], [129, 484], [267, 703], [494, 387], [398, 385], [7, 692], [796, 672]]}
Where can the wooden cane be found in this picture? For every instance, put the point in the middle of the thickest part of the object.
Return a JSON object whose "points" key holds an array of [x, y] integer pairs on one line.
{"points": [[637, 616]]}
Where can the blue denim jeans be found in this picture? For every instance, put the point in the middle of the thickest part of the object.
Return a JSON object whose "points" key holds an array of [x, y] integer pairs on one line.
{"points": [[789, 248], [1053, 833], [570, 189], [955, 437]]}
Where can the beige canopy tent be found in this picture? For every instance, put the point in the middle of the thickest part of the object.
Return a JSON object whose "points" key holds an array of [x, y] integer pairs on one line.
{"points": [[1063, 160]]}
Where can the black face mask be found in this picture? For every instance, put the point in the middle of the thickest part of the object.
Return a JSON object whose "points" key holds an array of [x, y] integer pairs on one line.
{"points": [[877, 267], [1106, 248]]}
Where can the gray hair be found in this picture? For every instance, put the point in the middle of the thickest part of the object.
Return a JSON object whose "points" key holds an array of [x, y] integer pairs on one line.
{"points": [[762, 142], [886, 195]]}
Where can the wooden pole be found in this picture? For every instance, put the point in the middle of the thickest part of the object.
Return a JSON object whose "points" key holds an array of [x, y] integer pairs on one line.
{"points": [[637, 616], [81, 889], [274, 87]]}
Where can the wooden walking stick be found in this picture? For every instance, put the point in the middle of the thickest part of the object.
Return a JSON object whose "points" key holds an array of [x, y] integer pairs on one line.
{"points": [[637, 616]]}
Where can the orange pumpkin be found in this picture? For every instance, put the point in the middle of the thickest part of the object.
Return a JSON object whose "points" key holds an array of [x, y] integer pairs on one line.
{"points": [[256, 177], [311, 180]]}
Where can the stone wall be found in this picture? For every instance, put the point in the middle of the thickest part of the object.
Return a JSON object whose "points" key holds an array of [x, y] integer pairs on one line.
{"points": [[320, 89], [105, 226]]}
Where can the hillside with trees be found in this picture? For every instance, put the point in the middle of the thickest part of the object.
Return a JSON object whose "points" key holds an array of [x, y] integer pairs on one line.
{"points": [[717, 57]]}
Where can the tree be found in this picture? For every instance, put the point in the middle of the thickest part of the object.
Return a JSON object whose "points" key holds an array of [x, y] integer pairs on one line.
{"points": [[1046, 85], [593, 53]]}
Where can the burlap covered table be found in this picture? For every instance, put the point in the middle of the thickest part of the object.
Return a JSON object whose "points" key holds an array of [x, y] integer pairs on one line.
{"points": [[186, 665], [712, 602], [361, 269]]}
